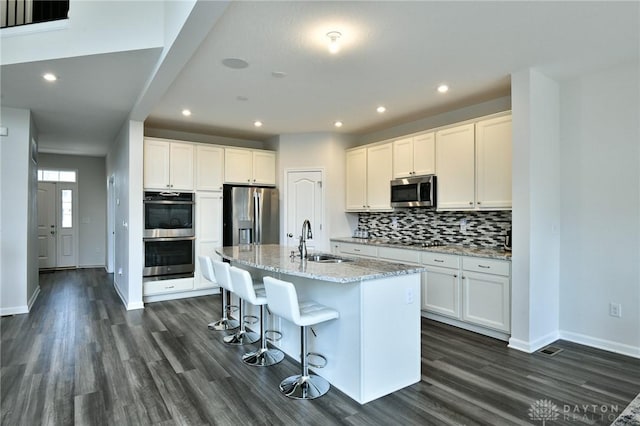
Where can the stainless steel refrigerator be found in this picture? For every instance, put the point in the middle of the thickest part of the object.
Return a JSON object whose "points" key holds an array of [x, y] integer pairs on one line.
{"points": [[250, 215]]}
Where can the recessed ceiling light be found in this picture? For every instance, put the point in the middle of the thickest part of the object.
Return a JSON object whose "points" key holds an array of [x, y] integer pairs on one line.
{"points": [[241, 98], [443, 88], [50, 77], [278, 74], [186, 112], [338, 124], [334, 41], [235, 63], [257, 123], [381, 109]]}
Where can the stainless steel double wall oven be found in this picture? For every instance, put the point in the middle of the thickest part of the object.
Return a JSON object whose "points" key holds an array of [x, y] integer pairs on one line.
{"points": [[169, 235]]}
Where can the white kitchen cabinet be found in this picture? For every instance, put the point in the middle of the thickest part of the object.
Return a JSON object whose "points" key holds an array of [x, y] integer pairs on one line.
{"points": [[154, 288], [356, 180], [369, 171], [441, 291], [486, 295], [360, 250], [209, 168], [455, 158], [246, 166], [168, 165], [493, 163], [414, 156], [208, 231]]}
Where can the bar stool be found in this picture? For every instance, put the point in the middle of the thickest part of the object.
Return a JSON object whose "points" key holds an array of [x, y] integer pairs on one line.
{"points": [[225, 323], [245, 289], [242, 336], [283, 301]]}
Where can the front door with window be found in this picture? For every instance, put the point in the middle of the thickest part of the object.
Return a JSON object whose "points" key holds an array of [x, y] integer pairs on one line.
{"points": [[57, 222]]}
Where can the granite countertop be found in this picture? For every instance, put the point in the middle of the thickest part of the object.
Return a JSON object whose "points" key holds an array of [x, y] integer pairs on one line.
{"points": [[492, 253], [276, 258]]}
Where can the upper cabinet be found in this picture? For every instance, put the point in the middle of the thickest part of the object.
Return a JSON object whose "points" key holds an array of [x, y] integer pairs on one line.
{"points": [[369, 171], [209, 168], [248, 166], [493, 163], [168, 165], [414, 156], [474, 165], [456, 171]]}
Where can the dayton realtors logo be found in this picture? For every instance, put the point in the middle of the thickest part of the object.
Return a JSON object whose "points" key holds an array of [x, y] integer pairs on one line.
{"points": [[545, 410]]}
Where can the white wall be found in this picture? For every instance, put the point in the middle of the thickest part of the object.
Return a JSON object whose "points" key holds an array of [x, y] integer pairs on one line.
{"points": [[600, 240], [124, 162], [536, 211], [19, 274], [202, 138], [94, 27], [92, 203], [325, 151]]}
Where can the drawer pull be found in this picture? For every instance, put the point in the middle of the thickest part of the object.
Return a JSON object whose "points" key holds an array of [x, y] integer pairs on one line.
{"points": [[170, 286], [438, 260], [356, 249], [484, 267]]}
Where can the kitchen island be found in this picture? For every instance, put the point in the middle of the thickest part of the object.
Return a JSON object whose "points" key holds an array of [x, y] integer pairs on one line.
{"points": [[373, 348]]}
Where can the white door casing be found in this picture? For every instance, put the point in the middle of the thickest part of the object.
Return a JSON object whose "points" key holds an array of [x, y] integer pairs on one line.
{"points": [[304, 200], [46, 225]]}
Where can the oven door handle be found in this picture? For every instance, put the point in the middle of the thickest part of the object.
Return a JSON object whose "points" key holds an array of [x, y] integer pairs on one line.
{"points": [[169, 239], [169, 202]]}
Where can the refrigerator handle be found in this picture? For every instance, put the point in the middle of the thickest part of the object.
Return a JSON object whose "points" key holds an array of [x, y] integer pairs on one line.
{"points": [[257, 219]]}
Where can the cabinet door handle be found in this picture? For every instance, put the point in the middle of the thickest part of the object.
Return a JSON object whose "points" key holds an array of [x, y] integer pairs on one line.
{"points": [[484, 267], [438, 260], [455, 275], [470, 203], [479, 202]]}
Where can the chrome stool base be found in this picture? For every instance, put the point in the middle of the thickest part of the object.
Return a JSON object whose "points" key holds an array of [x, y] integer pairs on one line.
{"points": [[242, 338], [263, 357], [304, 387], [224, 324]]}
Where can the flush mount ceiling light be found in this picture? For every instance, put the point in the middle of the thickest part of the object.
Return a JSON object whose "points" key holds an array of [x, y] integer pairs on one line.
{"points": [[186, 112], [257, 123], [381, 109], [443, 88], [334, 41], [338, 124], [50, 77], [235, 63]]}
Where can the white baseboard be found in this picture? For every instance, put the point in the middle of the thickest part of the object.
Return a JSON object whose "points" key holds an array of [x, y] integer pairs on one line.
{"points": [[182, 295], [14, 310], [134, 306], [24, 309], [91, 266], [33, 298], [530, 347], [607, 345]]}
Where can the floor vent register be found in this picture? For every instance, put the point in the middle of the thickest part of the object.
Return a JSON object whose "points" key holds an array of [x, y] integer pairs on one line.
{"points": [[550, 350]]}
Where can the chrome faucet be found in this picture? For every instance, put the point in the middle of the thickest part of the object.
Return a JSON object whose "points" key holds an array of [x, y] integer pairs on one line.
{"points": [[302, 247]]}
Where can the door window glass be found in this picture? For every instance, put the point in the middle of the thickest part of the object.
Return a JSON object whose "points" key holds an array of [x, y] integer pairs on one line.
{"points": [[56, 175], [67, 218]]}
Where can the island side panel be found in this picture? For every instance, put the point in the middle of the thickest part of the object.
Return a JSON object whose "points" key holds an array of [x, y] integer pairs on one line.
{"points": [[390, 335]]}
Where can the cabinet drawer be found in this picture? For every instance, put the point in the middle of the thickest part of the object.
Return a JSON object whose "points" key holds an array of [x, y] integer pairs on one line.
{"points": [[400, 255], [487, 266], [168, 286], [358, 250], [443, 260]]}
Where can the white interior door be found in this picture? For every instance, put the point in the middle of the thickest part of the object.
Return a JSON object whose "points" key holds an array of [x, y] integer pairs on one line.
{"points": [[47, 225], [304, 201], [67, 224]]}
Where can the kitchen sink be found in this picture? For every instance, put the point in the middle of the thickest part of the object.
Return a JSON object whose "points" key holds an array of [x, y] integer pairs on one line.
{"points": [[326, 258]]}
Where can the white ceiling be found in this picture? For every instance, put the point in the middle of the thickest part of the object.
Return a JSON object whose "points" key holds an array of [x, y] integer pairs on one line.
{"points": [[394, 54]]}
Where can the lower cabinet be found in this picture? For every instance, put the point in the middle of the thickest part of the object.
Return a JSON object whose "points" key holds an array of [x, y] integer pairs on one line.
{"points": [[167, 286], [441, 291]]}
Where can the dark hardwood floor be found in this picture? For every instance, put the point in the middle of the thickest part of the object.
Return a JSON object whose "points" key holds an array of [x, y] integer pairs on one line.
{"points": [[80, 358]]}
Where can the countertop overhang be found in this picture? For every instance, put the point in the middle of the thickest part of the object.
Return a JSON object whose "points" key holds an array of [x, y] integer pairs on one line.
{"points": [[277, 258], [461, 250]]}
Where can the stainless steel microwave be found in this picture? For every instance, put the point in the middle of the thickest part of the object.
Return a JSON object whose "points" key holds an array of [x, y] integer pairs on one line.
{"points": [[416, 191]]}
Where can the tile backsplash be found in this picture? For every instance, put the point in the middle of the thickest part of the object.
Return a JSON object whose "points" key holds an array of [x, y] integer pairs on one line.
{"points": [[483, 228]]}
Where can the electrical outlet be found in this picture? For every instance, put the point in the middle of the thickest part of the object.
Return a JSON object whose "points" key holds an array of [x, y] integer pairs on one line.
{"points": [[394, 223], [463, 225], [409, 296], [615, 310]]}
